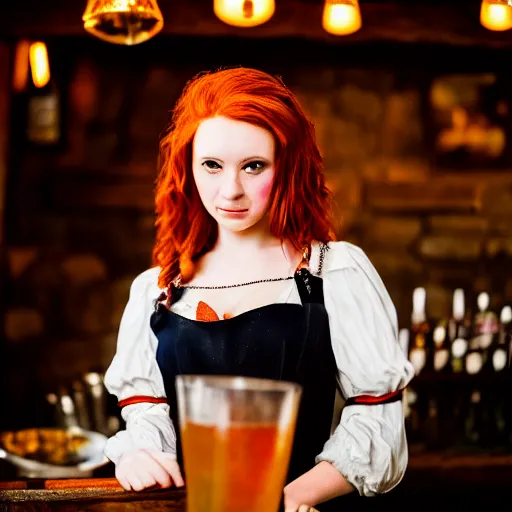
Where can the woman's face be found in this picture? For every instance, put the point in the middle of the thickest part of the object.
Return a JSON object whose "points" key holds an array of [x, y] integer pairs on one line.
{"points": [[233, 166]]}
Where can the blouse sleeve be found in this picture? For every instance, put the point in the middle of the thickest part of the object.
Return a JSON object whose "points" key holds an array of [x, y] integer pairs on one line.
{"points": [[369, 446], [134, 372]]}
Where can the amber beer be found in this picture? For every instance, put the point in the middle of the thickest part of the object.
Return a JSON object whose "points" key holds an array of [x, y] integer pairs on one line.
{"points": [[237, 435]]}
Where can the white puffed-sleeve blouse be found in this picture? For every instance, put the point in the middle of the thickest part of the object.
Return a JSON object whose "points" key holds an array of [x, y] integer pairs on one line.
{"points": [[368, 447]]}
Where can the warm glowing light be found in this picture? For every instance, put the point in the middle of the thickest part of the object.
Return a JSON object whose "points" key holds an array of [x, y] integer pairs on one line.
{"points": [[39, 65], [496, 14], [21, 66], [341, 17], [244, 13], [126, 22]]}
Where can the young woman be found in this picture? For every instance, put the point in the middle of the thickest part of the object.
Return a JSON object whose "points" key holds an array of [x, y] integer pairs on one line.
{"points": [[248, 280]]}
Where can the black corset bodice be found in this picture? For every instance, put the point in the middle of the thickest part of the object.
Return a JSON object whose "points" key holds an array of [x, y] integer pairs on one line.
{"points": [[288, 342]]}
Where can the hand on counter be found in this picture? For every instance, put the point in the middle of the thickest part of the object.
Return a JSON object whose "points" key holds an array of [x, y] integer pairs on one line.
{"points": [[142, 469]]}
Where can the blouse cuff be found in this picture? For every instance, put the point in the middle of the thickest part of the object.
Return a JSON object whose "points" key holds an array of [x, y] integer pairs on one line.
{"points": [[368, 449], [148, 426]]}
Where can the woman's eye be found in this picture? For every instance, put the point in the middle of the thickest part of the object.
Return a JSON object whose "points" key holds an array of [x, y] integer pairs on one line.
{"points": [[254, 167], [211, 166]]}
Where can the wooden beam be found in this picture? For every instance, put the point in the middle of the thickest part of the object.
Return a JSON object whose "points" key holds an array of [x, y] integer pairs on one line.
{"points": [[408, 22]]}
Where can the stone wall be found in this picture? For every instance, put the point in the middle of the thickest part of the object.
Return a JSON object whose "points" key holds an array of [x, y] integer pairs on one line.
{"points": [[80, 221]]}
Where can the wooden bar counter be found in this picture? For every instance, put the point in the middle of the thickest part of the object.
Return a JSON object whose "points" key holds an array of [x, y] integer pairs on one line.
{"points": [[429, 478], [87, 494]]}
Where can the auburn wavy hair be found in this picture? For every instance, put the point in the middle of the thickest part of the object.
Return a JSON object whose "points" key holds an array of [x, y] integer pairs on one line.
{"points": [[300, 206]]}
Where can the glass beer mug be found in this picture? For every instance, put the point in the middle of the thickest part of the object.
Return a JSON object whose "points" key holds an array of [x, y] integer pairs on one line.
{"points": [[237, 435]]}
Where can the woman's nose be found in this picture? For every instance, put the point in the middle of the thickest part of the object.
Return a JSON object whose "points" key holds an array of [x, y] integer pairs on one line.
{"points": [[232, 188]]}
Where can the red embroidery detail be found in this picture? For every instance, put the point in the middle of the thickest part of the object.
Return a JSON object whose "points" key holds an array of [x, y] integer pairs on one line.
{"points": [[139, 399], [369, 399]]}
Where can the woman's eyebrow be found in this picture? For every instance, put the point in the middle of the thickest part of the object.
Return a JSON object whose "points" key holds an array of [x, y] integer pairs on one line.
{"points": [[240, 162]]}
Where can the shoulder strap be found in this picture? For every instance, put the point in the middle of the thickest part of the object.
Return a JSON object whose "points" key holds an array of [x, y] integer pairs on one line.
{"points": [[310, 287]]}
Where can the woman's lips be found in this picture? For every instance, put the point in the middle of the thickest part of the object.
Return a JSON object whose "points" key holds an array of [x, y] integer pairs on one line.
{"points": [[238, 212]]}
